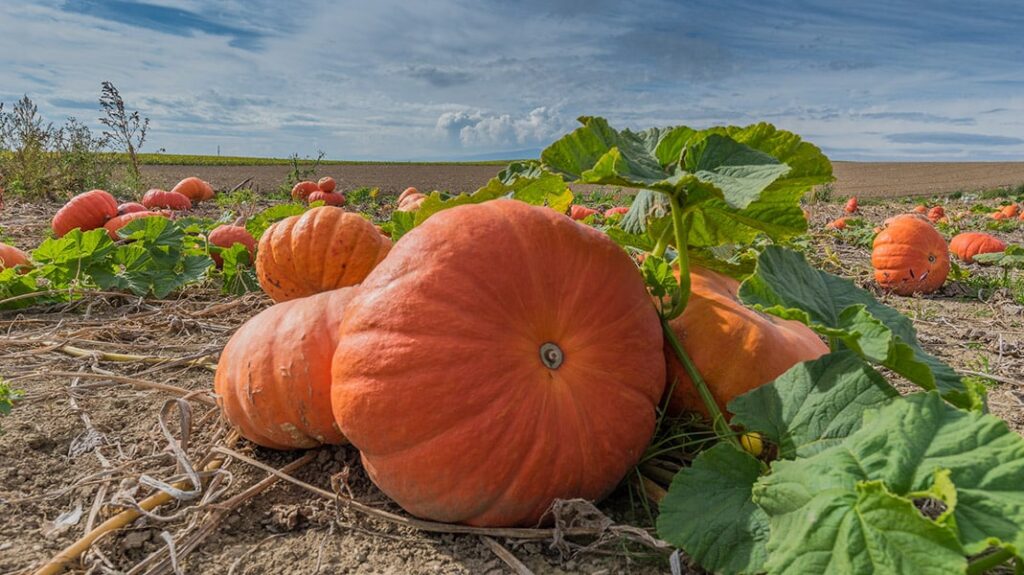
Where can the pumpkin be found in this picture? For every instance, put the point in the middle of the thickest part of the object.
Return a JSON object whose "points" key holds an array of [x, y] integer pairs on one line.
{"points": [[969, 244], [761, 347], [11, 256], [412, 202], [910, 256], [163, 199], [329, 198], [194, 189], [323, 249], [326, 184], [482, 380], [920, 209], [130, 207], [1021, 217], [936, 213], [407, 192], [226, 236], [999, 215], [273, 379], [838, 224], [115, 224], [851, 205], [86, 212], [302, 190], [616, 211], [1010, 211], [578, 212]]}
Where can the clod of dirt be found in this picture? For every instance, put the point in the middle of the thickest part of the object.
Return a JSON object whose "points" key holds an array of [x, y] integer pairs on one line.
{"points": [[135, 539]]}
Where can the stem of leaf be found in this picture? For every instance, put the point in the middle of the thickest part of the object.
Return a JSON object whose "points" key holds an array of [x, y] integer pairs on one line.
{"points": [[990, 561], [662, 245], [718, 422], [682, 259]]}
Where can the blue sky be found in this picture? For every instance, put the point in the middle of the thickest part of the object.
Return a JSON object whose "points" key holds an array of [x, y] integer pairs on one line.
{"points": [[455, 79]]}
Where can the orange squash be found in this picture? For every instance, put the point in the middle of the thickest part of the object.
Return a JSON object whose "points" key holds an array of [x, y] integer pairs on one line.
{"points": [[851, 205], [1010, 211], [86, 212], [616, 211], [328, 198], [969, 244], [920, 209], [760, 347], [11, 256], [578, 212], [838, 223], [273, 380], [302, 190], [129, 207], [194, 189], [228, 235], [411, 202], [481, 380], [998, 215], [323, 249], [910, 256], [326, 184], [114, 226], [406, 192], [163, 199], [936, 214]]}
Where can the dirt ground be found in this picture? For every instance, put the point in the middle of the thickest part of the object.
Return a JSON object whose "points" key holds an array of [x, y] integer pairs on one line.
{"points": [[890, 179], [90, 424]]}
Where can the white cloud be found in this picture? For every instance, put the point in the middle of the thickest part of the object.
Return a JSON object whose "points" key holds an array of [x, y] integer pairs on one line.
{"points": [[477, 129]]}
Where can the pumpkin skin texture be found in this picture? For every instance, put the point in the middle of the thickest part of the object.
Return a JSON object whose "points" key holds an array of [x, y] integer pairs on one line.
{"points": [[324, 249], [326, 184], [11, 256], [616, 211], [440, 377], [164, 199], [194, 189], [329, 198], [412, 202], [910, 256], [302, 190], [86, 212], [762, 347], [969, 244], [131, 207], [227, 236], [578, 212], [119, 222], [274, 376], [406, 192]]}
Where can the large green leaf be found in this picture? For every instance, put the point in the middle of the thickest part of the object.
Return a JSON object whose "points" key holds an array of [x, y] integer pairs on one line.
{"points": [[740, 171], [708, 512], [906, 445], [864, 529], [1011, 257], [814, 405], [785, 285]]}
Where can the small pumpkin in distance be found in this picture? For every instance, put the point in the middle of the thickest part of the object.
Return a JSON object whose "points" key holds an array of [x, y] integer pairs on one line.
{"points": [[114, 226], [226, 236], [328, 198], [273, 379], [616, 211], [936, 213], [1010, 211], [838, 223], [130, 207], [910, 256], [195, 189], [11, 256], [762, 347], [998, 215], [920, 209], [157, 198], [578, 212], [412, 202], [969, 244], [406, 192], [302, 190], [86, 212], [851, 205], [480, 398], [324, 249], [326, 184]]}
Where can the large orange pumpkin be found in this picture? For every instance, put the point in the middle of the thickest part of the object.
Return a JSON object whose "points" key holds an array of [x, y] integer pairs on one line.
{"points": [[758, 347], [11, 256], [86, 212], [194, 189], [969, 244], [114, 226], [323, 249], [163, 199], [910, 256], [302, 190], [274, 377], [501, 357]]}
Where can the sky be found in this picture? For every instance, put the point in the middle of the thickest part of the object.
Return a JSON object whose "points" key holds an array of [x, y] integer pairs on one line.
{"points": [[868, 80]]}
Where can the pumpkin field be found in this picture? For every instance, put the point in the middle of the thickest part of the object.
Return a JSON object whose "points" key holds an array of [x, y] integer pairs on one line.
{"points": [[666, 351]]}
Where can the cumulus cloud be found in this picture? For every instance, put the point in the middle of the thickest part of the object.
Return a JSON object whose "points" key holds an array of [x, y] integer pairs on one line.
{"points": [[475, 128]]}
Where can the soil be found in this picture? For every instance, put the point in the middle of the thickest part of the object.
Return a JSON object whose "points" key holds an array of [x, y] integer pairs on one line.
{"points": [[81, 442], [891, 179]]}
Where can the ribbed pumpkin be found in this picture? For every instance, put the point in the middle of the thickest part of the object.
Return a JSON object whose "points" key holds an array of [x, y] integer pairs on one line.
{"points": [[11, 256], [194, 189], [910, 256], [323, 249], [499, 358], [274, 377], [735, 348], [163, 199], [578, 212], [130, 207], [228, 235], [302, 190], [86, 212], [328, 198], [114, 225], [326, 184], [969, 244]]}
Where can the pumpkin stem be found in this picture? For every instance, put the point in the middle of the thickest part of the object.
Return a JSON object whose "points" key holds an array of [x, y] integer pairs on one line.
{"points": [[718, 422], [682, 257], [662, 245], [551, 355]]}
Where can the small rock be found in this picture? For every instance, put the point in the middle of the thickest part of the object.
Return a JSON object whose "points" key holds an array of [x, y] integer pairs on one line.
{"points": [[135, 539]]}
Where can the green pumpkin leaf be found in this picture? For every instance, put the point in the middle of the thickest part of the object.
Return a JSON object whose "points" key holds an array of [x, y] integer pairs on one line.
{"points": [[1011, 257], [814, 405], [785, 285], [259, 223], [239, 273], [708, 512], [661, 282], [908, 445]]}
